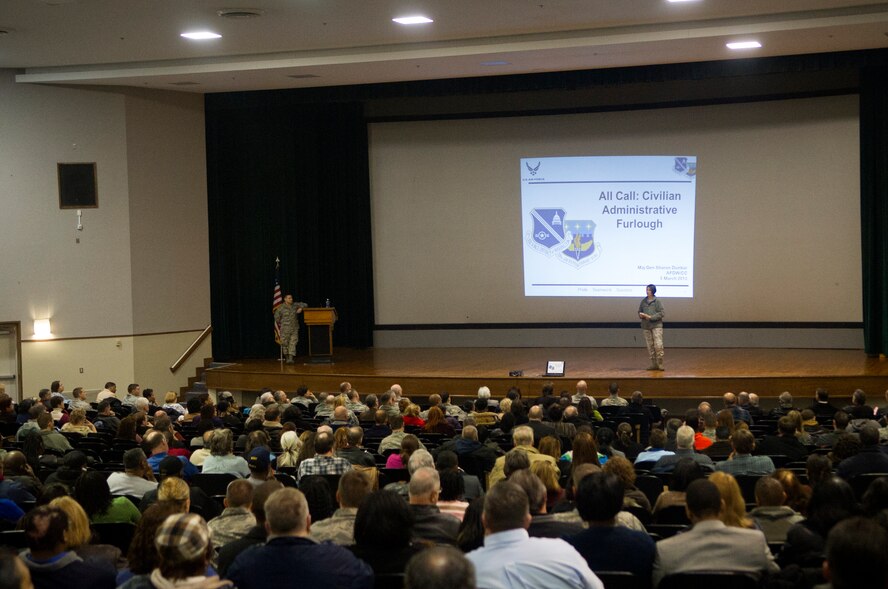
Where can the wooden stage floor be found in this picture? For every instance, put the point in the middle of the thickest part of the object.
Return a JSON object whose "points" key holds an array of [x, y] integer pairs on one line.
{"points": [[690, 372]]}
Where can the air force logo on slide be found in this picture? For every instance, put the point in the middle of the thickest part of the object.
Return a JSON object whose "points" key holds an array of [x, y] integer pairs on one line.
{"points": [[548, 227], [571, 242], [686, 166]]}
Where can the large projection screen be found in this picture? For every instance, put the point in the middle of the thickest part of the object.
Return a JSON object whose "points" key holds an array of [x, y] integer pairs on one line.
{"points": [[777, 214]]}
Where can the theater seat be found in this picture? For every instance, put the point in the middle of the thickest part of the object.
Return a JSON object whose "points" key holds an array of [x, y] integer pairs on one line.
{"points": [[715, 579], [622, 580]]}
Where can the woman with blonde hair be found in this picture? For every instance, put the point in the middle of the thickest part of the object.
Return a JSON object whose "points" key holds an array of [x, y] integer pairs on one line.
{"points": [[290, 446], [800, 433], [733, 513], [411, 416], [171, 401], [549, 474], [175, 492], [78, 423], [78, 535]]}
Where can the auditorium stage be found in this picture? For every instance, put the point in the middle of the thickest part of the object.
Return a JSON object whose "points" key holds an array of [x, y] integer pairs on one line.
{"points": [[690, 372]]}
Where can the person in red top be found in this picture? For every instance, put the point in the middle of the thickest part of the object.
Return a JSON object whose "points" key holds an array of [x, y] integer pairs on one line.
{"points": [[692, 420], [411, 416]]}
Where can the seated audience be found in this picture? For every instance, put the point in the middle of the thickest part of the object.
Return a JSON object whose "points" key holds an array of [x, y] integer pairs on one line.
{"points": [[184, 548], [684, 448], [771, 516], [255, 535], [428, 521], [93, 493], [236, 519], [632, 497], [542, 523], [324, 462], [605, 545], [655, 450], [222, 458], [353, 451], [710, 544], [785, 442], [856, 555], [870, 458], [832, 501], [409, 445], [741, 461], [733, 511], [137, 477], [79, 536], [340, 527], [290, 558], [686, 472], [441, 567], [509, 553], [50, 563], [522, 437], [78, 424]]}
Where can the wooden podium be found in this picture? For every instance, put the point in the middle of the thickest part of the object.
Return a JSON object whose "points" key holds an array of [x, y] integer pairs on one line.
{"points": [[319, 321]]}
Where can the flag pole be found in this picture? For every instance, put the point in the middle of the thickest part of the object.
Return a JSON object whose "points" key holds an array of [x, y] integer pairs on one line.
{"points": [[277, 271]]}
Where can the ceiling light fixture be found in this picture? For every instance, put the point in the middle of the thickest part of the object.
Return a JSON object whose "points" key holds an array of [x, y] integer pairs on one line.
{"points": [[412, 20], [743, 45], [201, 35]]}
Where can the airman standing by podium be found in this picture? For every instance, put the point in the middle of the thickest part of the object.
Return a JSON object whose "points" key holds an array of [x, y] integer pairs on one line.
{"points": [[287, 316]]}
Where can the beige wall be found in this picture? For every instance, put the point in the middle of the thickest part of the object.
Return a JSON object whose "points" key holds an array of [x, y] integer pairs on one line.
{"points": [[139, 267], [143, 359]]}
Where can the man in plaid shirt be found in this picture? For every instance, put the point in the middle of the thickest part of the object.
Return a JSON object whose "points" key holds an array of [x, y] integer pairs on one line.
{"points": [[324, 462]]}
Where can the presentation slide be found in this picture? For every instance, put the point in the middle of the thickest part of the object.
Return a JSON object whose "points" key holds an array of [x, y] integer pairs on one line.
{"points": [[608, 226]]}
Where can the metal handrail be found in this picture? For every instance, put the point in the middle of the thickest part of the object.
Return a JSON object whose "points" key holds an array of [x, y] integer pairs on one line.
{"points": [[190, 350]]}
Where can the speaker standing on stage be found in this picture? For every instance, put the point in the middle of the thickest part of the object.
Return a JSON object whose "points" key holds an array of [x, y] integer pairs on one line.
{"points": [[650, 311], [287, 317]]}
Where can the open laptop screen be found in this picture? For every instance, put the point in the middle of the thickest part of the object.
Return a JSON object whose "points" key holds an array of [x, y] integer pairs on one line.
{"points": [[554, 368]]}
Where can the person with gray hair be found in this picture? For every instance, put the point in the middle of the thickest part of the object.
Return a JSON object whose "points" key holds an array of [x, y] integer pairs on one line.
{"points": [[290, 558], [484, 393], [784, 406], [137, 477], [522, 437], [419, 459], [440, 567], [222, 458], [684, 448], [509, 553], [542, 524], [429, 523]]}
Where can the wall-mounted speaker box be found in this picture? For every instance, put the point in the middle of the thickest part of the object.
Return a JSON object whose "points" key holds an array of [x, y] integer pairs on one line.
{"points": [[78, 186]]}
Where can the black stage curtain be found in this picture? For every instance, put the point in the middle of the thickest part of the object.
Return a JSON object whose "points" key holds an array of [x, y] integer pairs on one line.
{"points": [[290, 183], [874, 206]]}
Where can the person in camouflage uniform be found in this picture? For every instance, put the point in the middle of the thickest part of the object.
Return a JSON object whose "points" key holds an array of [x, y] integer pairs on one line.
{"points": [[287, 318]]}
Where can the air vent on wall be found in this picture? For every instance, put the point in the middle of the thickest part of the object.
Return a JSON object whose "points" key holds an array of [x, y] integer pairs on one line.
{"points": [[240, 13]]}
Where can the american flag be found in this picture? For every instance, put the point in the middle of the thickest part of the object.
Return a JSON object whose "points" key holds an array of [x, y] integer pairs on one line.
{"points": [[277, 299]]}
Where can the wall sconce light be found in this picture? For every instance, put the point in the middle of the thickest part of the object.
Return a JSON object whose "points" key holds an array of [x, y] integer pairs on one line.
{"points": [[42, 329]]}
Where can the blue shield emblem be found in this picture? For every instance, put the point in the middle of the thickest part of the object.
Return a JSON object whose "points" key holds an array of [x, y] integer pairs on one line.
{"points": [[548, 226], [681, 165], [582, 239]]}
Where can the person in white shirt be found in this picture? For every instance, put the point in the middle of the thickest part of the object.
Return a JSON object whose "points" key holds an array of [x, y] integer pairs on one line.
{"points": [[110, 391], [137, 478], [510, 558]]}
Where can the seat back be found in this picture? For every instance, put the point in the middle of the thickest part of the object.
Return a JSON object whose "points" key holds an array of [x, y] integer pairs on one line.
{"points": [[720, 579], [118, 534], [212, 483]]}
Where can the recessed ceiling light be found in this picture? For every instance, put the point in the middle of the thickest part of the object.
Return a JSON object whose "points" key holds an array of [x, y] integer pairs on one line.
{"points": [[495, 63], [201, 35], [412, 20], [744, 45]]}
